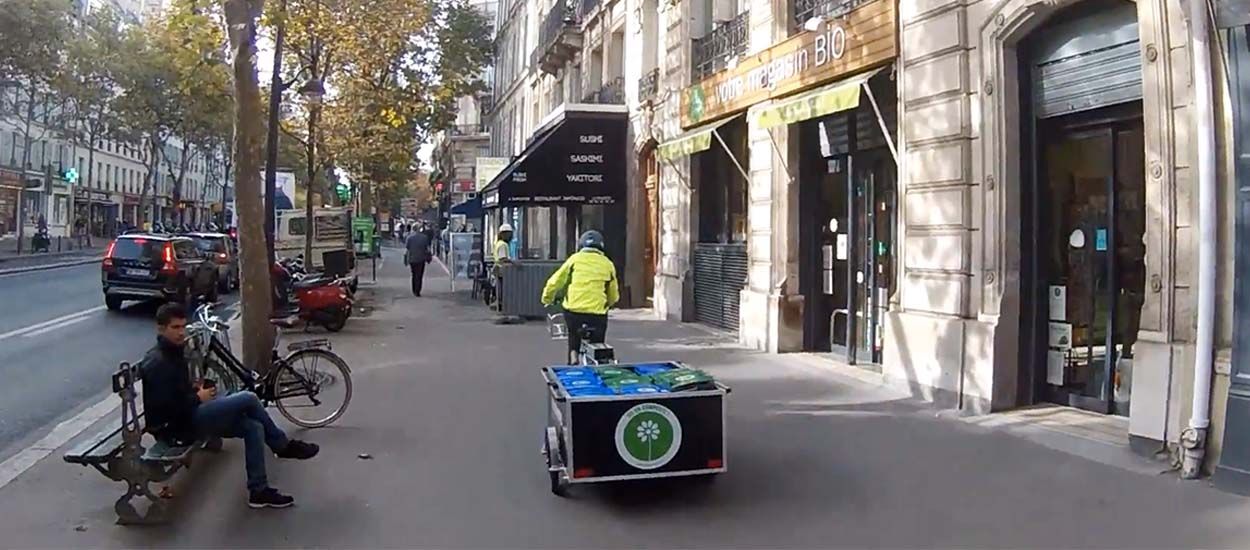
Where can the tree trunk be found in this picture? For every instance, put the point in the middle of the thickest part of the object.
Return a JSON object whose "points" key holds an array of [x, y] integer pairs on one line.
{"points": [[249, 135], [91, 188]]}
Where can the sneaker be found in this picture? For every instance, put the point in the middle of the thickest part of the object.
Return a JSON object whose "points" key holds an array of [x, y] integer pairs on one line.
{"points": [[269, 498], [299, 450]]}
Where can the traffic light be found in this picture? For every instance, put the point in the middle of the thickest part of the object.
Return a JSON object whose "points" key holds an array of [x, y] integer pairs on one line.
{"points": [[70, 175], [343, 191]]}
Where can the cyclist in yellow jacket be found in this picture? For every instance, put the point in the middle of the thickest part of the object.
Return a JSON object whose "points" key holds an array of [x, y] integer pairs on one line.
{"points": [[586, 286]]}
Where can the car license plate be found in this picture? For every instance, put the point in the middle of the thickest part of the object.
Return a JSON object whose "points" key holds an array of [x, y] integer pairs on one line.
{"points": [[138, 272]]}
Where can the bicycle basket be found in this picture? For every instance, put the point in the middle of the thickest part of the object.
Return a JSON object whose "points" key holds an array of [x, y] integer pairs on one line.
{"points": [[556, 326]]}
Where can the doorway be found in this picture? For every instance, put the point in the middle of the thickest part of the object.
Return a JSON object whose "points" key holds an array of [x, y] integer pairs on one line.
{"points": [[847, 213], [651, 241], [1087, 219], [1083, 205]]}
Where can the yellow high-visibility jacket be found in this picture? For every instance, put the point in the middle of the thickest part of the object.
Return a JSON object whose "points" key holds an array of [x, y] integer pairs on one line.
{"points": [[588, 280]]}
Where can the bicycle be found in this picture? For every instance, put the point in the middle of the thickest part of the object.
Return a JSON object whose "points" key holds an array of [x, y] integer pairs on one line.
{"points": [[588, 353], [294, 383]]}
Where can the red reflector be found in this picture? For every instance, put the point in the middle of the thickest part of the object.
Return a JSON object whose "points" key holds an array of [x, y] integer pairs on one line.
{"points": [[584, 472], [715, 463]]}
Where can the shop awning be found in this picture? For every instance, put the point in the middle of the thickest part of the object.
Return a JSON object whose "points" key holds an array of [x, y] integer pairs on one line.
{"points": [[471, 208], [578, 157], [839, 96], [691, 142]]}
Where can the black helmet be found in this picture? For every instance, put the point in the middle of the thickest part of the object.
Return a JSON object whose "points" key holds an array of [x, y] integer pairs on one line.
{"points": [[591, 239]]}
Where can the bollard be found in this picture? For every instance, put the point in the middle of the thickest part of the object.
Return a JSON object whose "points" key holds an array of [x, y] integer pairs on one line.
{"points": [[58, 243]]}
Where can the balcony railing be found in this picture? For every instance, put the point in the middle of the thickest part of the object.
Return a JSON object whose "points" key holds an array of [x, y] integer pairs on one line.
{"points": [[612, 93], [649, 85], [469, 129], [711, 53], [805, 10], [559, 38]]}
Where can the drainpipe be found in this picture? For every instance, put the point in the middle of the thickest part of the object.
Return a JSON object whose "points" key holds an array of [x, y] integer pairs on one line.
{"points": [[1194, 438]]}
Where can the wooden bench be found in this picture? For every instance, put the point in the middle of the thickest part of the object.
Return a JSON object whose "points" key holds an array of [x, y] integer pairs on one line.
{"points": [[119, 454]]}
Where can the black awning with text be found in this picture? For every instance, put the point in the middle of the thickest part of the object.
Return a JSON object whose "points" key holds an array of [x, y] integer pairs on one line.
{"points": [[579, 159]]}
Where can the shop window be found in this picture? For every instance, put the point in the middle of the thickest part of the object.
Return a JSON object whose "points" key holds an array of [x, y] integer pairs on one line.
{"points": [[722, 190]]}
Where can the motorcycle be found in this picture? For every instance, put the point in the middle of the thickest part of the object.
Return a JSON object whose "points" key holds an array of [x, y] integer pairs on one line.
{"points": [[324, 301], [40, 241]]}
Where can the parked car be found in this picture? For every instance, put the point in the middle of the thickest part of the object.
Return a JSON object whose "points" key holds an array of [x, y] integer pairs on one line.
{"points": [[153, 266], [224, 252]]}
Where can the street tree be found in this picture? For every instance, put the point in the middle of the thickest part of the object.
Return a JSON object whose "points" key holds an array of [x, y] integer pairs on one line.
{"points": [[192, 38], [89, 86], [32, 48], [249, 137], [148, 109]]}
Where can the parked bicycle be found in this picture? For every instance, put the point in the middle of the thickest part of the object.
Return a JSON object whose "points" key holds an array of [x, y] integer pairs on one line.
{"points": [[311, 385]]}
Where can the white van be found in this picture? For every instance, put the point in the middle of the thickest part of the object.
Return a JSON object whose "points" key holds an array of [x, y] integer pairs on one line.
{"points": [[332, 230]]}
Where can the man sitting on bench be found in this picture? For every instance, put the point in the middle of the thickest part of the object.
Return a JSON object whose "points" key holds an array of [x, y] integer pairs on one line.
{"points": [[179, 412]]}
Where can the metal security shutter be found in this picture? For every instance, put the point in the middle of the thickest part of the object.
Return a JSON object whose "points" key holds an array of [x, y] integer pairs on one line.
{"points": [[734, 279], [1087, 63], [720, 272]]}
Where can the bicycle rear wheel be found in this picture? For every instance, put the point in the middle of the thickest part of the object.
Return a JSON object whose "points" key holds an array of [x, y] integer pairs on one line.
{"points": [[313, 387]]}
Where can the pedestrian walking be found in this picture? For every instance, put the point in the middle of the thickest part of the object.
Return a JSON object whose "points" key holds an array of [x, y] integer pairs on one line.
{"points": [[416, 256]]}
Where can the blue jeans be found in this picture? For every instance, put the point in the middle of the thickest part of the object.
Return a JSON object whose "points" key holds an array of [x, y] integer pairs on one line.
{"points": [[241, 415]]}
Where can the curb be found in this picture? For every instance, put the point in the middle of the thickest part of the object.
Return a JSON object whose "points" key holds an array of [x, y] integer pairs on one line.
{"points": [[27, 269]]}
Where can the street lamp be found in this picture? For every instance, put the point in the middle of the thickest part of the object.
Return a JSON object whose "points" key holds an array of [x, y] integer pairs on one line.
{"points": [[313, 91]]}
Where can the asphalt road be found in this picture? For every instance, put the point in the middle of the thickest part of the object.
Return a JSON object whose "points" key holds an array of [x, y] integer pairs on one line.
{"points": [[58, 345]]}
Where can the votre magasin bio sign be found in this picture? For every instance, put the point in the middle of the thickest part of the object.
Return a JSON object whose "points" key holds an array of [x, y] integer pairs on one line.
{"points": [[859, 39]]}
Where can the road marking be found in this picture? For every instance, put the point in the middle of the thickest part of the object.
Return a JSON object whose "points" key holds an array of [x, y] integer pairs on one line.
{"points": [[24, 460], [51, 322], [57, 326]]}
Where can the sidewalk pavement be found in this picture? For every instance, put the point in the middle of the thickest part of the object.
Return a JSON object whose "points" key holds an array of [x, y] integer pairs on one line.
{"points": [[70, 253], [450, 408]]}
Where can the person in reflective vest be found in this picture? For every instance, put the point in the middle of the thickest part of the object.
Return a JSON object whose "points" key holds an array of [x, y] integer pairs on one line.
{"points": [[585, 288]]}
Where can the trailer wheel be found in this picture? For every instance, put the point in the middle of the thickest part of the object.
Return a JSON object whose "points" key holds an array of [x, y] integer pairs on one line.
{"points": [[555, 458]]}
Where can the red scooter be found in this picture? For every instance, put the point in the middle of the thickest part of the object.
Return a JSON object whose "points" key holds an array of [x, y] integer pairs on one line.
{"points": [[324, 301]]}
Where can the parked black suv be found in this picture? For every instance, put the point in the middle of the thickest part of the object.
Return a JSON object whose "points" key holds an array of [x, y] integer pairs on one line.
{"points": [[144, 266]]}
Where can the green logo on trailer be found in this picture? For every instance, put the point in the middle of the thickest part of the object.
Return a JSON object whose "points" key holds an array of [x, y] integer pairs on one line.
{"points": [[648, 436]]}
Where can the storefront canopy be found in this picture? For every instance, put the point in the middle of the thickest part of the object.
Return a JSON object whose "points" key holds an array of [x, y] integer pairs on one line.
{"points": [[471, 208], [839, 96], [689, 143], [577, 157]]}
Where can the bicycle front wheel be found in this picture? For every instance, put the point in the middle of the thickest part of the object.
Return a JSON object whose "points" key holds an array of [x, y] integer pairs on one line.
{"points": [[313, 387]]}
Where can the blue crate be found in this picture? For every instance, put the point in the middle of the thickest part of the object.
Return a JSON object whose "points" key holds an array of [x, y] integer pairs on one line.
{"points": [[590, 391], [638, 389], [648, 369]]}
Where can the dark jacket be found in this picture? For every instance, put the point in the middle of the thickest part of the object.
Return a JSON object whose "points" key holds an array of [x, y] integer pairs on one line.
{"points": [[418, 248], [169, 399]]}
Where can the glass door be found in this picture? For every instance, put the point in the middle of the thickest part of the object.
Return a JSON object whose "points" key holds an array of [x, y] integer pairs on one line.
{"points": [[872, 258], [1092, 206]]}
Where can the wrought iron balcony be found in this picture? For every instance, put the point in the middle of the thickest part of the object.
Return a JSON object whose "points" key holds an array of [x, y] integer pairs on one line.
{"points": [[805, 10], [612, 93], [559, 38], [469, 129], [649, 85], [711, 53]]}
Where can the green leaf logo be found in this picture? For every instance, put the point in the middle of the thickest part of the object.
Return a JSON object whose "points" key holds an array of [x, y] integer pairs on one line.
{"points": [[697, 102], [648, 436]]}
